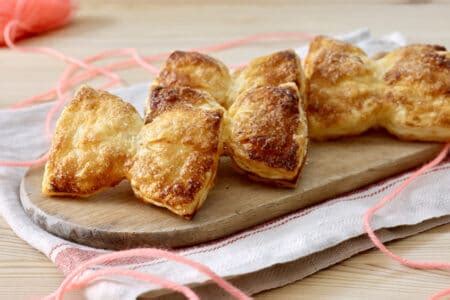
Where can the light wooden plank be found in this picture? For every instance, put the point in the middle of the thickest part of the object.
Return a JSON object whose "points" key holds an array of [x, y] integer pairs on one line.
{"points": [[234, 204]]}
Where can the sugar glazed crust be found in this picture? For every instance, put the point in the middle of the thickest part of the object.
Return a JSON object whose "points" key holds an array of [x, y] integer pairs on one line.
{"points": [[178, 149], [270, 70], [197, 71], [267, 135], [93, 140], [417, 93], [406, 91], [171, 158], [269, 87], [267, 132]]}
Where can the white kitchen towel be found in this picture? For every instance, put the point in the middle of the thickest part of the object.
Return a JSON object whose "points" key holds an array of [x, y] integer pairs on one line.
{"points": [[290, 238]]}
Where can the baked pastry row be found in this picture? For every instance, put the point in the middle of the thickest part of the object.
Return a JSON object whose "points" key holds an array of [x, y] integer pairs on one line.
{"points": [[171, 157], [171, 161], [406, 91], [198, 111], [265, 131]]}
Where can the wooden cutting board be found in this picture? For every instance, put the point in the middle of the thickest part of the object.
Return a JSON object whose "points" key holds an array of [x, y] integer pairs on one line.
{"points": [[115, 219]]}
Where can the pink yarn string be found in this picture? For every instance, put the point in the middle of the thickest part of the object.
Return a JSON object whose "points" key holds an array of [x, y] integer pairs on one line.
{"points": [[440, 294], [64, 81], [76, 79], [38, 161], [86, 280], [298, 36], [254, 38], [389, 197], [8, 38], [67, 80], [73, 280]]}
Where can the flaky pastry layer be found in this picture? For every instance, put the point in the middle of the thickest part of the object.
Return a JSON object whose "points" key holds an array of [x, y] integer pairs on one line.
{"points": [[94, 138], [267, 133], [406, 91], [178, 149], [197, 71]]}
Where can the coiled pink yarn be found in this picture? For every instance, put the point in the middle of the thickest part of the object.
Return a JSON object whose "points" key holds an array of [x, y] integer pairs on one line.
{"points": [[34, 16]]}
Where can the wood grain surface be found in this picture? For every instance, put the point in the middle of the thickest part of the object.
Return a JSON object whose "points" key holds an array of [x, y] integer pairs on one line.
{"points": [[153, 26], [115, 219]]}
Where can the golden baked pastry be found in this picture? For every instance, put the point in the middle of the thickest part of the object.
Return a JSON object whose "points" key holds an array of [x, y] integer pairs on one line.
{"points": [[342, 93], [197, 71], [178, 149], [274, 69], [93, 140], [168, 98], [406, 91], [171, 159], [267, 133], [416, 98]]}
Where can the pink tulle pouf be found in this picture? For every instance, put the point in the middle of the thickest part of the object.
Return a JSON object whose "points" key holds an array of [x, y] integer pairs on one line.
{"points": [[25, 18]]}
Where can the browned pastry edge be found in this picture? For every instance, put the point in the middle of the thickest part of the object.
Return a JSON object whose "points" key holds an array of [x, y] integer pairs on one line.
{"points": [[406, 91], [163, 99], [291, 183], [269, 70], [60, 178], [198, 71], [200, 203], [168, 208], [278, 151], [186, 91], [198, 122]]}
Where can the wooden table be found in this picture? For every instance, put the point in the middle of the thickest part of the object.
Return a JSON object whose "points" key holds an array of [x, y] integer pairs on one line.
{"points": [[154, 26]]}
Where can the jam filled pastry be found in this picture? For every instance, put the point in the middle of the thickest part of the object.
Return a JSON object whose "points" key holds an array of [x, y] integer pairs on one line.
{"points": [[267, 133], [94, 139], [407, 91], [178, 149]]}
